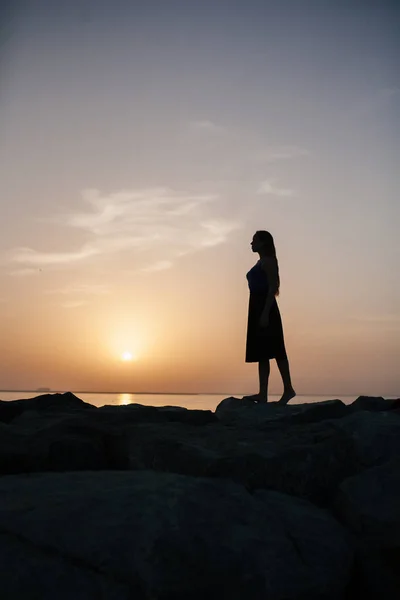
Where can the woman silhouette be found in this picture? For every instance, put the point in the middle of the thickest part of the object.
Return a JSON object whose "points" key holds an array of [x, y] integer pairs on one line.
{"points": [[264, 327]]}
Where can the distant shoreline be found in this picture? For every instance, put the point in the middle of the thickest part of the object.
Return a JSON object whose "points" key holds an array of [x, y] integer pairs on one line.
{"points": [[171, 393]]}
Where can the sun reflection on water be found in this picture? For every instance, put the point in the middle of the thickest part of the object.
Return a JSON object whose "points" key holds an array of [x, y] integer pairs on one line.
{"points": [[124, 399]]}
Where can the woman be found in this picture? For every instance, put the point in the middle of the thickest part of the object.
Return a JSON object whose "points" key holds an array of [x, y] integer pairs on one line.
{"points": [[264, 328]]}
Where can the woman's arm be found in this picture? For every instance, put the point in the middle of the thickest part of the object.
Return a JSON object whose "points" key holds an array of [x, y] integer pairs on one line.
{"points": [[269, 265]]}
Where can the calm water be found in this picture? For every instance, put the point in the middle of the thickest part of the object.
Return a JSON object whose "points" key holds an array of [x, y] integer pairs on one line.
{"points": [[194, 401]]}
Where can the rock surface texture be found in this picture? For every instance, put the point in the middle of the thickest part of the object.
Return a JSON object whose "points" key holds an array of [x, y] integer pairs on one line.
{"points": [[251, 501]]}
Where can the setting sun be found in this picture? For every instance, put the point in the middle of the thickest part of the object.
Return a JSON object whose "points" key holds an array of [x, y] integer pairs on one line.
{"points": [[127, 356]]}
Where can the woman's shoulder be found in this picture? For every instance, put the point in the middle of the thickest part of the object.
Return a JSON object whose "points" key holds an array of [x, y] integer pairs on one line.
{"points": [[269, 265], [268, 260]]}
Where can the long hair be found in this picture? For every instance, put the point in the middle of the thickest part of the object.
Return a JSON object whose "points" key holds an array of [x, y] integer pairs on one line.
{"points": [[268, 242]]}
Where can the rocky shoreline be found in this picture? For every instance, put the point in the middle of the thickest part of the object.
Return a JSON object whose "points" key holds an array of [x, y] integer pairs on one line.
{"points": [[248, 502]]}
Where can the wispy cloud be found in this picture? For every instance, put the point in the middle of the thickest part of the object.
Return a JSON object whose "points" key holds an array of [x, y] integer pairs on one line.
{"points": [[81, 288], [206, 126], [269, 187], [137, 220], [279, 153], [28, 256], [28, 272], [162, 265], [74, 303], [217, 231]]}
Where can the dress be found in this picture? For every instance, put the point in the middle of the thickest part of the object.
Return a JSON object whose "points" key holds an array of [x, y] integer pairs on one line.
{"points": [[262, 342]]}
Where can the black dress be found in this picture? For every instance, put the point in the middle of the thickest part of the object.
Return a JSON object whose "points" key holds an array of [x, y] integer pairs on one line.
{"points": [[262, 342]]}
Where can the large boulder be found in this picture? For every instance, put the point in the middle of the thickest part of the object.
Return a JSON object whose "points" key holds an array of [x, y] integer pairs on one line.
{"points": [[308, 468], [375, 437], [373, 403], [245, 413], [116, 418], [28, 572], [368, 504], [61, 443], [306, 463], [15, 452], [138, 413], [11, 409], [170, 448], [68, 440], [308, 460], [168, 537]]}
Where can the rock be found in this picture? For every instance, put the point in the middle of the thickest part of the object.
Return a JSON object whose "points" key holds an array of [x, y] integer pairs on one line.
{"points": [[245, 413], [292, 516], [282, 456], [314, 412], [15, 456], [30, 572], [306, 463], [308, 460], [369, 505], [9, 410], [157, 535], [55, 443], [374, 436], [75, 453], [32, 421], [372, 403], [311, 469], [138, 413], [174, 450], [375, 574]]}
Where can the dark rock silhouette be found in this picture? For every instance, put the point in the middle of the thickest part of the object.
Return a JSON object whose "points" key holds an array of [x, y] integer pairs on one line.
{"points": [[374, 403], [163, 535], [368, 504], [68, 401], [295, 502]]}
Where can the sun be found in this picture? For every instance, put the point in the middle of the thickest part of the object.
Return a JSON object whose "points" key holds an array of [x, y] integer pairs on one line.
{"points": [[127, 356]]}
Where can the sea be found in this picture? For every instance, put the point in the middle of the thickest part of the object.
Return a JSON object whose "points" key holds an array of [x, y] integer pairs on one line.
{"points": [[190, 401]]}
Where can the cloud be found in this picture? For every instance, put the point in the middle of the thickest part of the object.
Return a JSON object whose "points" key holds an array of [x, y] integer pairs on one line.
{"points": [[28, 272], [139, 220], [77, 290], [74, 303], [217, 231], [28, 256], [206, 126], [268, 187], [275, 154], [82, 288], [162, 265]]}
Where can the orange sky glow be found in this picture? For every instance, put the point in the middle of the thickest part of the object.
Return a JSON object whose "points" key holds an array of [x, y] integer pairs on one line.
{"points": [[134, 175]]}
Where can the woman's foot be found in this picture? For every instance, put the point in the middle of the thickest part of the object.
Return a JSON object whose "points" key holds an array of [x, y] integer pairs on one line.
{"points": [[256, 398], [287, 395]]}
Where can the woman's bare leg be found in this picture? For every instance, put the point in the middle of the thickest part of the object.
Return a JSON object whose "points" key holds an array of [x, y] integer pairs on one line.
{"points": [[263, 375], [288, 391]]}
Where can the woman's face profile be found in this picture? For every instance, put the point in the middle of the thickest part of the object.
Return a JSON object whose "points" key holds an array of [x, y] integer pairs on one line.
{"points": [[255, 243]]}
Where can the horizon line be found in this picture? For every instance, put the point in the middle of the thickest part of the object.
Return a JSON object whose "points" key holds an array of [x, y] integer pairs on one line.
{"points": [[229, 394]]}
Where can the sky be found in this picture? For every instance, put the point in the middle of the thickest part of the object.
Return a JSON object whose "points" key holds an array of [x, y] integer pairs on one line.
{"points": [[144, 142]]}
